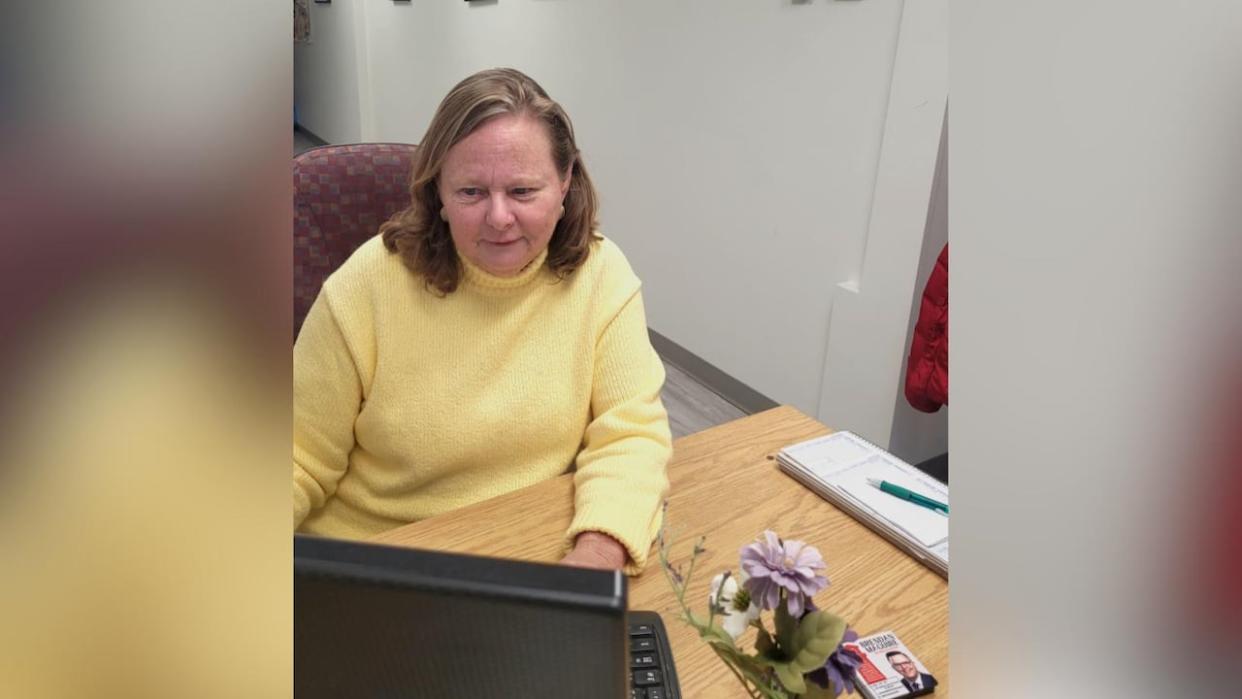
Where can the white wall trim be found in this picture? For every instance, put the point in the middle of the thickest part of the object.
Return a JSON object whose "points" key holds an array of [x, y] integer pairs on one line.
{"points": [[917, 435], [362, 52], [868, 327]]}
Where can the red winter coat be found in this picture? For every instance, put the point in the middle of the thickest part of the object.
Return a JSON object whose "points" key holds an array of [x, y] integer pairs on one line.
{"points": [[927, 372], [1216, 538]]}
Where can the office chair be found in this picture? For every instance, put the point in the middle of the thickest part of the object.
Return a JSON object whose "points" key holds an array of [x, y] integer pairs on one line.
{"points": [[341, 195]]}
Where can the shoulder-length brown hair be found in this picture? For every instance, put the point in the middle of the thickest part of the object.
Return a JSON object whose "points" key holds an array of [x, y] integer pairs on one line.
{"points": [[418, 233]]}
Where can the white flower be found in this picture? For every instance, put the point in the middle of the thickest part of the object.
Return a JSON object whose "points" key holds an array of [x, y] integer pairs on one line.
{"points": [[735, 620]]}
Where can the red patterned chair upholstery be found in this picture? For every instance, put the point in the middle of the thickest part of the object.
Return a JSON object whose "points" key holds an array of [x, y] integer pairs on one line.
{"points": [[341, 195]]}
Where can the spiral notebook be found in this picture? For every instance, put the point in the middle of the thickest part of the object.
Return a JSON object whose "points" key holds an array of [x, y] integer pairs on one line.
{"points": [[837, 468]]}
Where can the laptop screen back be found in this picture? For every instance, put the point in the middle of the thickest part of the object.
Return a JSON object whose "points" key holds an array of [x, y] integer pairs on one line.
{"points": [[377, 621]]}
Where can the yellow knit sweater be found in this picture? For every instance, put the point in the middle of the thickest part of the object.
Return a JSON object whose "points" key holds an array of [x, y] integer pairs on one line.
{"points": [[407, 404]]}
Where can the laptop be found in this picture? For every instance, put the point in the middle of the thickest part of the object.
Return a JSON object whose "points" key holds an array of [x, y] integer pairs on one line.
{"points": [[381, 621]]}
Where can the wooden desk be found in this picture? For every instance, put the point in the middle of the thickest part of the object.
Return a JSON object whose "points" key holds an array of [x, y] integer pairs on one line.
{"points": [[725, 485]]}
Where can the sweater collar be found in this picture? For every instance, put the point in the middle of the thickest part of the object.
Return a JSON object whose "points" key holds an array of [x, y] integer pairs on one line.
{"points": [[478, 277]]}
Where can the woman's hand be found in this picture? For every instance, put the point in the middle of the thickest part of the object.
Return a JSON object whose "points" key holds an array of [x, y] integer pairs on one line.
{"points": [[595, 550]]}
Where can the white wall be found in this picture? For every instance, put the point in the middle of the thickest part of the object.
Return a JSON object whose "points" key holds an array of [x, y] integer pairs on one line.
{"points": [[868, 328], [917, 435], [736, 145], [328, 72]]}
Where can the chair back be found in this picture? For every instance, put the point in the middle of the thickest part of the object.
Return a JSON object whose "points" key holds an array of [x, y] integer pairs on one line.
{"points": [[341, 195]]}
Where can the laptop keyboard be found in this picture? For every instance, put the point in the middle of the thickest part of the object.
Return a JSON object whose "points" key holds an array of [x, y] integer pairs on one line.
{"points": [[652, 674]]}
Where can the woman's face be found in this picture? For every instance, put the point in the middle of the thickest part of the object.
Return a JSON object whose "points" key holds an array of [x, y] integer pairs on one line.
{"points": [[502, 194]]}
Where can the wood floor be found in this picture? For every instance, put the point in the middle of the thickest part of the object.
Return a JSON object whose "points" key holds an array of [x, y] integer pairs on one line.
{"points": [[692, 406]]}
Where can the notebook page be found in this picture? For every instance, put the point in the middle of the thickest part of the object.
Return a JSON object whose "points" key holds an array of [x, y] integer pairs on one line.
{"points": [[927, 526], [827, 456]]}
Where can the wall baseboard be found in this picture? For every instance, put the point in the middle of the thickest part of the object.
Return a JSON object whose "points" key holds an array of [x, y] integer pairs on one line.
{"points": [[745, 398]]}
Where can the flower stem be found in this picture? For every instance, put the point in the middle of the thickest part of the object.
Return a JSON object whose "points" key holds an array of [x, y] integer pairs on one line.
{"points": [[690, 569], [679, 589]]}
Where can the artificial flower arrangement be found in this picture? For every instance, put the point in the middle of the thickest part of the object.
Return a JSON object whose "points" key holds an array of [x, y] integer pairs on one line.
{"points": [[801, 655]]}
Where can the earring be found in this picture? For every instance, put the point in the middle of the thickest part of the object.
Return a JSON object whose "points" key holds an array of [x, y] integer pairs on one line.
{"points": [[561, 213], [443, 216]]}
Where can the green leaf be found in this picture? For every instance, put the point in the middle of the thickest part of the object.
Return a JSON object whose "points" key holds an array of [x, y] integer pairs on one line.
{"points": [[790, 677], [817, 637], [765, 645], [786, 628]]}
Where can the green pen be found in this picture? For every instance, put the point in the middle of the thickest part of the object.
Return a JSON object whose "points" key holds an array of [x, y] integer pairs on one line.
{"points": [[909, 495]]}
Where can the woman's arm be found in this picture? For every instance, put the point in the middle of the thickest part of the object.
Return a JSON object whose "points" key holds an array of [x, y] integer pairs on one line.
{"points": [[621, 483], [327, 395]]}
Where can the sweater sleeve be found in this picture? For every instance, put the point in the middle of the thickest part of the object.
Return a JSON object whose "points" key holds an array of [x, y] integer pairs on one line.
{"points": [[621, 482], [327, 395]]}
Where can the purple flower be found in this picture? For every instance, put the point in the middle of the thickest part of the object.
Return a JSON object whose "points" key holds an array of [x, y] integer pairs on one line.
{"points": [[838, 672], [790, 566]]}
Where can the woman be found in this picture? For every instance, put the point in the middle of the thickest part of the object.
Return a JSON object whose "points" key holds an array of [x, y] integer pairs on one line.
{"points": [[486, 340]]}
